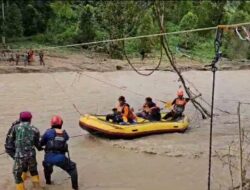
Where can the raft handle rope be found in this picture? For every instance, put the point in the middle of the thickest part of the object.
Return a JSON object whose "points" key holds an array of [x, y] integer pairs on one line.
{"points": [[205, 101], [124, 88], [67, 96]]}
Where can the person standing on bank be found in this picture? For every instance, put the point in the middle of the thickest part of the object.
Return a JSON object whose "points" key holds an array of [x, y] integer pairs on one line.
{"points": [[21, 140], [41, 58], [55, 142]]}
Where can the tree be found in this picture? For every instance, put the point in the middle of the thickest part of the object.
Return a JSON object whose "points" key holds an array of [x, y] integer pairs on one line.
{"points": [[87, 27], [13, 21], [210, 13], [234, 47], [182, 8], [189, 21], [32, 20], [146, 27], [63, 23], [119, 19], [239, 16]]}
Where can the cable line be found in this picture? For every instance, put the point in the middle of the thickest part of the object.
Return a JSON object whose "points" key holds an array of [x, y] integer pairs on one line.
{"points": [[136, 70], [230, 26]]}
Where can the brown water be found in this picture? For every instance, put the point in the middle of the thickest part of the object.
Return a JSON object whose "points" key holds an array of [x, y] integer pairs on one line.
{"points": [[174, 161]]}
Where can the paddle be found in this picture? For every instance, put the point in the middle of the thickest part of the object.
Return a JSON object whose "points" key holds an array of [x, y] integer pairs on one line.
{"points": [[168, 104]]}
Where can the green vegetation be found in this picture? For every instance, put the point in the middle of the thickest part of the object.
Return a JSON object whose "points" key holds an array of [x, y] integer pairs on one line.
{"points": [[54, 22]]}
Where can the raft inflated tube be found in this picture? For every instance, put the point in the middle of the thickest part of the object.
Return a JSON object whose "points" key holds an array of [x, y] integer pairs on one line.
{"points": [[97, 125]]}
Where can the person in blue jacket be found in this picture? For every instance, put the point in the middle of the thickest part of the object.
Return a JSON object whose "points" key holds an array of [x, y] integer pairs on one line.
{"points": [[55, 142]]}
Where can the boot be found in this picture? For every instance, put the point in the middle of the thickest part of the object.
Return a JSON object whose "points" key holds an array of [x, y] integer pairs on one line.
{"points": [[35, 180], [74, 180], [47, 178], [25, 176], [20, 186]]}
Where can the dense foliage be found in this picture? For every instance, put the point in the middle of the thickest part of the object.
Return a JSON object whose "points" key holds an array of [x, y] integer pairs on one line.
{"points": [[69, 21]]}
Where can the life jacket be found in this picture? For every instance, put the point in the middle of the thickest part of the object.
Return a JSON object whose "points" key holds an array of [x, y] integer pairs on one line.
{"points": [[156, 109], [180, 104], [149, 105], [120, 108], [58, 143], [130, 115], [24, 141]]}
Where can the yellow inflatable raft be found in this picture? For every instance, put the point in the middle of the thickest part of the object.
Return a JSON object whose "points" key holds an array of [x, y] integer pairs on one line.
{"points": [[97, 125]]}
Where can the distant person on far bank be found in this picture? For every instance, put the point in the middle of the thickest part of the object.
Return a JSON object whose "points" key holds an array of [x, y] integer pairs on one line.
{"points": [[41, 58], [30, 56], [143, 54], [17, 58], [26, 59]]}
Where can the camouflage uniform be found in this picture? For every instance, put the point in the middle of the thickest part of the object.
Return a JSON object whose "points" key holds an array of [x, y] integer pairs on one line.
{"points": [[25, 137], [9, 143]]}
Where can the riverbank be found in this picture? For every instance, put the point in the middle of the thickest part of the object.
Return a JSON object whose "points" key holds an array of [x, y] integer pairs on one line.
{"points": [[80, 62]]}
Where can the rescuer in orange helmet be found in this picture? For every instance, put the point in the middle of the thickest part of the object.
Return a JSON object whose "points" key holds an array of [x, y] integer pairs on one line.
{"points": [[179, 105]]}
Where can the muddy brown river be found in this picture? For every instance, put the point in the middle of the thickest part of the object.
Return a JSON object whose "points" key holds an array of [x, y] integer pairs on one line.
{"points": [[168, 161]]}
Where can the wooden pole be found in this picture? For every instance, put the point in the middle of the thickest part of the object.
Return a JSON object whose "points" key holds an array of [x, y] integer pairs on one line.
{"points": [[3, 23], [240, 144]]}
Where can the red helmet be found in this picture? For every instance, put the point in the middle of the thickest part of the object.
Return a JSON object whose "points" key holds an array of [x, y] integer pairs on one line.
{"points": [[25, 116], [180, 93], [56, 121]]}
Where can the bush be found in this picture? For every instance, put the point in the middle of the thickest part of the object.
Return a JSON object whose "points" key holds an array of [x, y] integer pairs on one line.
{"points": [[87, 30], [13, 21], [146, 27], [39, 38], [189, 21]]}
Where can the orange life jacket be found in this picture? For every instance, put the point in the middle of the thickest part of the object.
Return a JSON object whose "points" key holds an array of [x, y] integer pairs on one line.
{"points": [[180, 104], [127, 114]]}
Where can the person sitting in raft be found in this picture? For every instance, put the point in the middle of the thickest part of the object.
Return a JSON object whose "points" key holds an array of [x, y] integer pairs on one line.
{"points": [[122, 114], [150, 111], [178, 104]]}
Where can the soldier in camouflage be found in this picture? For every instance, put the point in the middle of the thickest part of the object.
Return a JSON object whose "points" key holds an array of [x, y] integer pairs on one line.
{"points": [[9, 144], [21, 141]]}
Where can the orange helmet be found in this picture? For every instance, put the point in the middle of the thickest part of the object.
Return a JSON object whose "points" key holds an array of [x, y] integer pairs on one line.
{"points": [[56, 121], [180, 93]]}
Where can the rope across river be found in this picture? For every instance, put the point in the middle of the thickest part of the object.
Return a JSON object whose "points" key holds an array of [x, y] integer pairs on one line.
{"points": [[140, 37]]}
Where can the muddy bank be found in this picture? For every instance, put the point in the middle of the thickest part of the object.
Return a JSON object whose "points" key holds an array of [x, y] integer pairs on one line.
{"points": [[169, 161]]}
